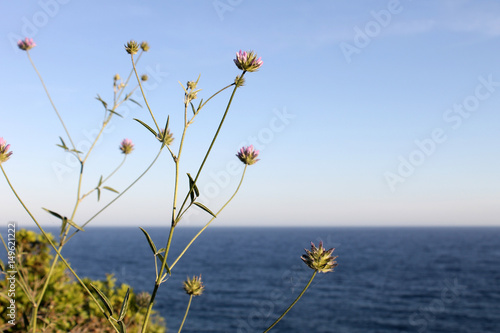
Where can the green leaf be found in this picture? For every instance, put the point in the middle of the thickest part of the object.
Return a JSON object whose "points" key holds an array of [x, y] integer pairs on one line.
{"points": [[205, 208], [150, 241], [63, 144], [114, 112], [100, 182], [124, 308], [75, 151], [73, 224], [192, 107], [110, 189], [104, 299], [134, 101], [193, 188], [53, 213], [102, 101], [145, 125], [165, 131], [98, 193]]}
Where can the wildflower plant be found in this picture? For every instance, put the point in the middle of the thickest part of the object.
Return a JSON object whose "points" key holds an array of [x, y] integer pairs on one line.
{"points": [[186, 195]]}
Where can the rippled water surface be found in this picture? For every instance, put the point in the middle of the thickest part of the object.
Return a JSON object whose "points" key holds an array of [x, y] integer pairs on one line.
{"points": [[388, 279]]}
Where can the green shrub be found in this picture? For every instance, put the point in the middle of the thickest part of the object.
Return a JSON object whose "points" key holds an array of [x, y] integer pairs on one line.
{"points": [[66, 306]]}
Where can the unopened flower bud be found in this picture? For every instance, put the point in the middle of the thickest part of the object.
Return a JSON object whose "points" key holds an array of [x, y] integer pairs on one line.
{"points": [[144, 77], [132, 47], [126, 146], [145, 46], [194, 286], [320, 259], [167, 139], [116, 77]]}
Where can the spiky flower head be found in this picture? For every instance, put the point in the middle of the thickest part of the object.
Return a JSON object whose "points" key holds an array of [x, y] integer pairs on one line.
{"points": [[167, 139], [320, 259], [4, 151], [126, 146], [194, 286], [248, 155], [247, 61], [145, 46], [26, 44], [132, 47]]}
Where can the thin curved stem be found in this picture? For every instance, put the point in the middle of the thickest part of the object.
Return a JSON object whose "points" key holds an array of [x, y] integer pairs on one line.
{"points": [[57, 250], [206, 225], [291, 305], [211, 145], [105, 179], [185, 315], [143, 94], [117, 197], [51, 102]]}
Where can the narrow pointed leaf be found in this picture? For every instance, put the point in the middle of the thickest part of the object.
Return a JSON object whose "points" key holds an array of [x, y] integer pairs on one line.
{"points": [[165, 131], [102, 101], [134, 101], [150, 241], [73, 224], [98, 194], [199, 106], [100, 182], [110, 189], [124, 308], [195, 188], [104, 299], [145, 125], [205, 208], [192, 107], [76, 151], [191, 183], [53, 213], [114, 112]]}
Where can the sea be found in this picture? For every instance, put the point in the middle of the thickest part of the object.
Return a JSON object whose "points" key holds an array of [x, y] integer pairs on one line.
{"points": [[388, 279]]}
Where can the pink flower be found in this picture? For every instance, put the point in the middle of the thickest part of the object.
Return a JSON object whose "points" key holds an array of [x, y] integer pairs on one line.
{"points": [[248, 155], [126, 146], [26, 44], [4, 151], [247, 61]]}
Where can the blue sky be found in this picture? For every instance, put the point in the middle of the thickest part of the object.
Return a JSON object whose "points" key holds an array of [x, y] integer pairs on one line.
{"points": [[366, 112]]}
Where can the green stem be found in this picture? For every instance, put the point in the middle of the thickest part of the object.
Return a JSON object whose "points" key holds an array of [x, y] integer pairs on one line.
{"points": [[211, 145], [144, 95], [206, 225], [291, 306], [47, 237], [118, 196], [185, 315], [51, 102], [157, 283], [105, 179]]}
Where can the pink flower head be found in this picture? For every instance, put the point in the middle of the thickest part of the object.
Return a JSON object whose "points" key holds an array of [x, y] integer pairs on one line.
{"points": [[26, 44], [247, 61], [4, 151], [248, 155], [126, 146]]}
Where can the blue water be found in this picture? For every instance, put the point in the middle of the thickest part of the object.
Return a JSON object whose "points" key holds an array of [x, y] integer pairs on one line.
{"points": [[387, 280]]}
